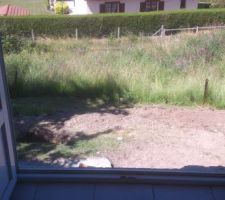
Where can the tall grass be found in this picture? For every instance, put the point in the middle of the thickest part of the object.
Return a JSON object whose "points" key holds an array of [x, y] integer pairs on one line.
{"points": [[169, 70]]}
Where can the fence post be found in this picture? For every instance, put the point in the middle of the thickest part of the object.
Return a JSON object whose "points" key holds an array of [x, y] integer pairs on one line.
{"points": [[76, 34], [163, 32], [118, 32], [206, 91], [32, 35], [141, 36], [196, 29]]}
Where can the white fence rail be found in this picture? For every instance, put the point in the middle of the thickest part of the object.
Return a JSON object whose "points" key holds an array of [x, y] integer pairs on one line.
{"points": [[162, 31]]}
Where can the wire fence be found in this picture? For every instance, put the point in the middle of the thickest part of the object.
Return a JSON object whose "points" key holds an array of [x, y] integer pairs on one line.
{"points": [[160, 32], [163, 31]]}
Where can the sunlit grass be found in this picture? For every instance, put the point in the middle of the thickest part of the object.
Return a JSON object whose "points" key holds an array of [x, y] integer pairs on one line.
{"points": [[169, 70]]}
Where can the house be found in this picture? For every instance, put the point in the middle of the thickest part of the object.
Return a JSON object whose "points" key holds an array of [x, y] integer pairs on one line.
{"points": [[9, 10], [80, 7]]}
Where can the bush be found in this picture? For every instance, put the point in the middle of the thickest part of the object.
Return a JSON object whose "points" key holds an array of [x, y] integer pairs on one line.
{"points": [[61, 8], [14, 44], [105, 24]]}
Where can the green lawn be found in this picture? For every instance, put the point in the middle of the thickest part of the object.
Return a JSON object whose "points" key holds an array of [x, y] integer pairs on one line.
{"points": [[36, 7]]}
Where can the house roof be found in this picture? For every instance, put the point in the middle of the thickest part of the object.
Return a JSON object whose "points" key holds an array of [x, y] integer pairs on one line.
{"points": [[9, 10]]}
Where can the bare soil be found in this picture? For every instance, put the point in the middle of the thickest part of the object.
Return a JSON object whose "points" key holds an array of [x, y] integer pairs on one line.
{"points": [[151, 136]]}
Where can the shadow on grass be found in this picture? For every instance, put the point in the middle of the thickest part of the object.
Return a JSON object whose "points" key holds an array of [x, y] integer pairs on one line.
{"points": [[107, 88], [81, 136], [79, 145], [76, 98], [35, 107], [42, 125], [30, 151]]}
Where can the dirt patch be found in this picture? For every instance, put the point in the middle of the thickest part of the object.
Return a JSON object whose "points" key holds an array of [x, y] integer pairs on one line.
{"points": [[154, 136]]}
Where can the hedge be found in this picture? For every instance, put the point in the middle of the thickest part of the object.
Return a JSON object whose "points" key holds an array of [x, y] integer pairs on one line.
{"points": [[105, 24]]}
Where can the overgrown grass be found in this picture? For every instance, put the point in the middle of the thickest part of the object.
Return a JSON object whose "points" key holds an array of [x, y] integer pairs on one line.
{"points": [[169, 70]]}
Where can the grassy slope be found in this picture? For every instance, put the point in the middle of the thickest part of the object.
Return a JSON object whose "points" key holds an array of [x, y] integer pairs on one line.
{"points": [[36, 7]]}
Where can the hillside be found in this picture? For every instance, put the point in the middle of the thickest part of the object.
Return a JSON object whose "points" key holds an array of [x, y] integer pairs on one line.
{"points": [[36, 7]]}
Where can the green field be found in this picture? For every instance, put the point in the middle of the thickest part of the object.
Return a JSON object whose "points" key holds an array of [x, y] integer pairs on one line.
{"points": [[170, 70], [36, 7]]}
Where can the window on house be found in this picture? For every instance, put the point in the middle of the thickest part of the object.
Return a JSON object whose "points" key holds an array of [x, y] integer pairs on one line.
{"points": [[151, 5], [112, 7], [182, 3], [154, 5], [148, 5]]}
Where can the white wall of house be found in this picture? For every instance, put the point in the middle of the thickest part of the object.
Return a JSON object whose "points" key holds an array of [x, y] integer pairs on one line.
{"points": [[72, 6], [175, 4], [192, 4], [92, 6], [132, 5]]}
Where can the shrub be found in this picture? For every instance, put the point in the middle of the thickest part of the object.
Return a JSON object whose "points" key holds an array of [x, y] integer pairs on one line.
{"points": [[61, 8], [100, 25], [14, 43]]}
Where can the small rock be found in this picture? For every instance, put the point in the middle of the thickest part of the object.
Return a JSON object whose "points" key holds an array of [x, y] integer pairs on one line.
{"points": [[95, 162], [59, 161], [119, 138]]}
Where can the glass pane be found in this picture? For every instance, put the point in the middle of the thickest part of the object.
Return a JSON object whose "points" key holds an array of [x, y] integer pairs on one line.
{"points": [[108, 7], [100, 95], [154, 5], [4, 175], [114, 7], [148, 6]]}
